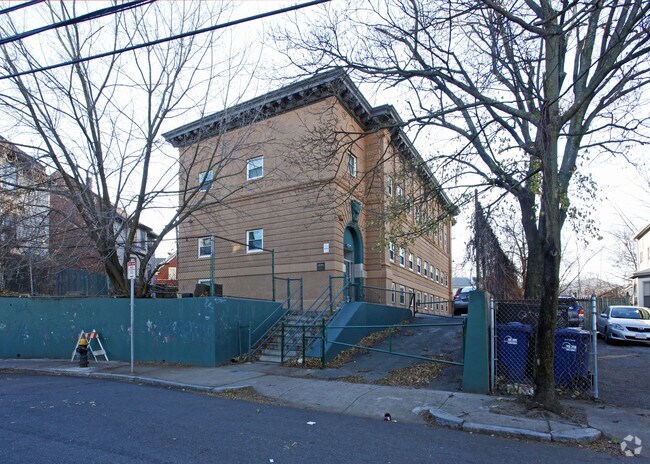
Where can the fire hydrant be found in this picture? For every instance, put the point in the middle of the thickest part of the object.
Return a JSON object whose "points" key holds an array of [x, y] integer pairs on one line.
{"points": [[82, 349]]}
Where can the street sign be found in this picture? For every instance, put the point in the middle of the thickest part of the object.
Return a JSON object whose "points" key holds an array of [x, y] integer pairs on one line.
{"points": [[131, 268]]}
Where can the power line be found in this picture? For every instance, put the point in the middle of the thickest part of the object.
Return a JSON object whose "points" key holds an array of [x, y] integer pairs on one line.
{"points": [[78, 19], [19, 6], [167, 39]]}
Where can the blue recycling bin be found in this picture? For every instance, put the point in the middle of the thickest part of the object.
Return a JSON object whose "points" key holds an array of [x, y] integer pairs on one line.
{"points": [[571, 363], [513, 344]]}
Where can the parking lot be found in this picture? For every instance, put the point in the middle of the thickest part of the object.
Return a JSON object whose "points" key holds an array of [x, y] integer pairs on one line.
{"points": [[624, 374]]}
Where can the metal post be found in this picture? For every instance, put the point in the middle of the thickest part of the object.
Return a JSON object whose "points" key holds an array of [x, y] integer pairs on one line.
{"points": [[302, 307], [330, 291], [594, 345], [390, 339], [288, 293], [273, 272], [212, 265], [250, 351], [303, 344], [493, 364], [282, 344], [132, 322], [322, 351]]}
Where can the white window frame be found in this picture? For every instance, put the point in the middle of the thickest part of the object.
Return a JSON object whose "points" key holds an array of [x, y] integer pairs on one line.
{"points": [[431, 272], [391, 252], [205, 180], [352, 164], [251, 167], [248, 241], [418, 266], [402, 295], [425, 299], [410, 261], [400, 194], [418, 299], [171, 272], [437, 275], [425, 268], [389, 183], [202, 246], [402, 257], [392, 293]]}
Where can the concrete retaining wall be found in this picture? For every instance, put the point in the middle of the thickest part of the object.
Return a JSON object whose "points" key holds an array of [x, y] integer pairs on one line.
{"points": [[200, 331]]}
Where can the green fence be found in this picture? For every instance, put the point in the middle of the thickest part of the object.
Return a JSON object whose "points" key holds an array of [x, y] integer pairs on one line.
{"points": [[201, 331]]}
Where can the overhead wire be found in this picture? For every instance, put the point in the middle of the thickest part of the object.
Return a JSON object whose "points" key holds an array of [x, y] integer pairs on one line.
{"points": [[78, 19], [168, 39], [19, 6]]}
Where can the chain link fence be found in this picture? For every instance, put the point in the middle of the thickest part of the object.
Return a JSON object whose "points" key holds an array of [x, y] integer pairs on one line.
{"points": [[515, 333]]}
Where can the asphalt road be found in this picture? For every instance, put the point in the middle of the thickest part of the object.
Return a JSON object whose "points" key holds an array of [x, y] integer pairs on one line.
{"points": [[74, 420], [624, 374]]}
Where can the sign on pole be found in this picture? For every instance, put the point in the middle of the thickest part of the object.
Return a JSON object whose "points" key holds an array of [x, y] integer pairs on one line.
{"points": [[131, 269], [131, 273]]}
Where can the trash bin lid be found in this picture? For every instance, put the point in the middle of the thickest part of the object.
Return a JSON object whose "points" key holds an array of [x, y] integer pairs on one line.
{"points": [[517, 327]]}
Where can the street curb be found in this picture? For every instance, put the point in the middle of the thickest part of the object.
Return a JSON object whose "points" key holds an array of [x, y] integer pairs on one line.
{"points": [[585, 435], [126, 378], [438, 416], [506, 431]]}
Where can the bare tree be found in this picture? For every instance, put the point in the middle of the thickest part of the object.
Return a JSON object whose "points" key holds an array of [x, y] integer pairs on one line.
{"points": [[529, 90], [97, 124]]}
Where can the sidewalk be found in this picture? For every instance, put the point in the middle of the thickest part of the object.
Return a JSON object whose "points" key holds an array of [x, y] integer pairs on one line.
{"points": [[299, 388]]}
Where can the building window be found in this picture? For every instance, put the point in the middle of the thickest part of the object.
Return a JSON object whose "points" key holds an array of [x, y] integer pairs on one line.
{"points": [[205, 180], [431, 272], [418, 299], [171, 273], [426, 269], [411, 261], [417, 214], [352, 165], [402, 295], [391, 251], [437, 275], [389, 186], [254, 240], [8, 176], [401, 257], [411, 296], [419, 265], [205, 247], [425, 300], [400, 194], [255, 168], [392, 292]]}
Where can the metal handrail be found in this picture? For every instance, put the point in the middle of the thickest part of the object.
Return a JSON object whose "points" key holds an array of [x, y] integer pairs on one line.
{"points": [[271, 332], [318, 317]]}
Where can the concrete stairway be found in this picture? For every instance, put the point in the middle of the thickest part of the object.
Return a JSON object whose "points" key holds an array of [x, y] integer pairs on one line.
{"points": [[271, 350]]}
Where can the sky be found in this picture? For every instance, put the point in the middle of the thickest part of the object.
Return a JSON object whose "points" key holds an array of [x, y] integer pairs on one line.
{"points": [[620, 188]]}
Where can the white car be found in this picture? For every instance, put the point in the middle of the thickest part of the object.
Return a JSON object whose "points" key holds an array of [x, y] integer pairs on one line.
{"points": [[625, 323]]}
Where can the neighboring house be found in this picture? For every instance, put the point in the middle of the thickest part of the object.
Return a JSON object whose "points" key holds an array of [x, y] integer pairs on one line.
{"points": [[312, 171], [44, 243], [166, 274], [70, 237], [641, 278], [24, 209]]}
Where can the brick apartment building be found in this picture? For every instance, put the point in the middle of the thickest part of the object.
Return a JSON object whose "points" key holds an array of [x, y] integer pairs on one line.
{"points": [[330, 183]]}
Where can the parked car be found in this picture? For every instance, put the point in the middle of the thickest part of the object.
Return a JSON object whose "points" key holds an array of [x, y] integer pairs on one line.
{"points": [[576, 314], [461, 300], [625, 323]]}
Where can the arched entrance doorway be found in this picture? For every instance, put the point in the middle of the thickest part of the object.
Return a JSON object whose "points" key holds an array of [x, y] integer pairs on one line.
{"points": [[353, 255]]}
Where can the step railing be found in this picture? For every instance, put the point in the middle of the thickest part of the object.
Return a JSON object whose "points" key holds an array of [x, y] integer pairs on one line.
{"points": [[263, 333], [317, 315]]}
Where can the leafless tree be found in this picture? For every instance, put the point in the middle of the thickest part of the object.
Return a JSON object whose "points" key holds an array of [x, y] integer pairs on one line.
{"points": [[97, 124], [529, 90]]}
